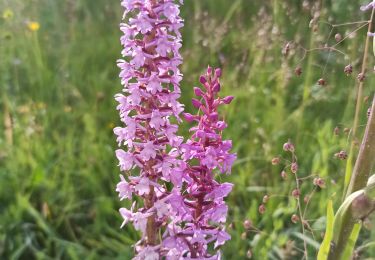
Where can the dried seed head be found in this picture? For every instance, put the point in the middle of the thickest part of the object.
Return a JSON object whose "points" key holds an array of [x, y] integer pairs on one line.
{"points": [[247, 224], [322, 82], [275, 161], [319, 182], [294, 218], [338, 37], [249, 254], [346, 130], [336, 131], [294, 167], [266, 199], [342, 155], [296, 193], [361, 77], [289, 147], [286, 49], [262, 209], [243, 236], [298, 71], [348, 69]]}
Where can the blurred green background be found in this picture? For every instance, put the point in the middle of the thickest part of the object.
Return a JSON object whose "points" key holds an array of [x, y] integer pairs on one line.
{"points": [[58, 76]]}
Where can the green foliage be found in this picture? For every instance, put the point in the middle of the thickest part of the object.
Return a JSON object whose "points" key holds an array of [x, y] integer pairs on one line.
{"points": [[325, 245], [57, 166]]}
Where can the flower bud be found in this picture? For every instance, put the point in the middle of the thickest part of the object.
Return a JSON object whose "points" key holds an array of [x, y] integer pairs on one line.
{"points": [[218, 72], [202, 79], [188, 117], [283, 174], [196, 103], [216, 88], [227, 100], [221, 125], [214, 116], [198, 92], [266, 199]]}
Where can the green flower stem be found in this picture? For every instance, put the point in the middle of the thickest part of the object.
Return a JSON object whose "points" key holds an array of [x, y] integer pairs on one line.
{"points": [[360, 202]]}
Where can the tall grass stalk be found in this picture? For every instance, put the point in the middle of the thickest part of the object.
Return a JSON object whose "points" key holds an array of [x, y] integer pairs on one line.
{"points": [[356, 207], [359, 96]]}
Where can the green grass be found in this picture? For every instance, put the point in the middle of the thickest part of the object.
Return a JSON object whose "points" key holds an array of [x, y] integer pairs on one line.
{"points": [[57, 166]]}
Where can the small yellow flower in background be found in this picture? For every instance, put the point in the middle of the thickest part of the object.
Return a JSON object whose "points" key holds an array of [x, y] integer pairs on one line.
{"points": [[33, 26], [8, 14]]}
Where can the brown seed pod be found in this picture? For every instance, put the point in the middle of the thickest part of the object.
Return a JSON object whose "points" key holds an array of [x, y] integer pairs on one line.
{"points": [[322, 82], [294, 218], [348, 69], [298, 71], [361, 77]]}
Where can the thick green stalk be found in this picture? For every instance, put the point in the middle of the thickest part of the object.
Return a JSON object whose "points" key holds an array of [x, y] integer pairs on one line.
{"points": [[359, 203]]}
